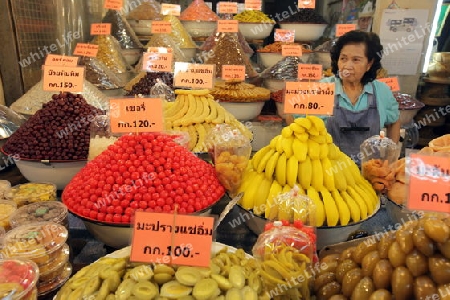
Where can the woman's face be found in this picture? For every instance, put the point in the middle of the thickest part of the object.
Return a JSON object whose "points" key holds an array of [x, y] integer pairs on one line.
{"points": [[353, 62]]}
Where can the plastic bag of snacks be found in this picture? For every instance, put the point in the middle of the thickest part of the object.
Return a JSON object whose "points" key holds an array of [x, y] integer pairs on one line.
{"points": [[285, 69], [287, 252], [162, 90], [100, 75], [109, 53], [179, 33], [121, 30], [230, 151]]}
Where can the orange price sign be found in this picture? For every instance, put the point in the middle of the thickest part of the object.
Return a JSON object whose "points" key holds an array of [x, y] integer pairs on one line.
{"points": [[113, 4], [307, 4], [284, 35], [392, 83], [61, 60], [310, 71], [100, 28], [161, 27], [172, 239], [227, 26], [136, 115], [310, 98], [170, 9], [291, 50], [158, 59], [197, 76], [227, 8], [62, 78], [252, 5], [89, 50], [233, 72], [429, 183], [342, 29]]}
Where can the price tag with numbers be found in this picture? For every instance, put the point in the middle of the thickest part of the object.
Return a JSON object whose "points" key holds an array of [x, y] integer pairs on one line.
{"points": [[172, 239], [227, 7], [62, 78], [113, 4], [310, 71], [227, 26], [233, 72], [196, 76], [170, 9], [429, 183], [161, 27], [89, 50], [129, 115], [309, 98], [253, 4], [284, 35], [100, 28], [306, 3], [291, 50], [392, 83], [157, 59], [342, 29]]}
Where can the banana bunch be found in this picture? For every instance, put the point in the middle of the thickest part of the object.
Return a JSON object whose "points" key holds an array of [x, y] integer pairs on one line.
{"points": [[304, 155], [196, 113]]}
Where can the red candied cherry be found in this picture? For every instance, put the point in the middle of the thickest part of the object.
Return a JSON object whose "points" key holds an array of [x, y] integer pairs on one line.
{"points": [[158, 209], [143, 204], [129, 211], [125, 219], [101, 216], [137, 197], [110, 210], [118, 210], [134, 204], [117, 218], [93, 214], [167, 208], [109, 218]]}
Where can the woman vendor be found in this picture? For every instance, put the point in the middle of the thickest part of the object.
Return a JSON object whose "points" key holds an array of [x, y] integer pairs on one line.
{"points": [[362, 105]]}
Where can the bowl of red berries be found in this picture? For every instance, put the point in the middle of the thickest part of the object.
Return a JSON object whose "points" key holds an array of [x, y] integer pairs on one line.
{"points": [[140, 172]]}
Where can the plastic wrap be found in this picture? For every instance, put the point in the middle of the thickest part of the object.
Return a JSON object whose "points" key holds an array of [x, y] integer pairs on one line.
{"points": [[179, 33], [406, 101], [230, 151], [149, 10], [33, 100], [121, 30], [236, 91], [163, 91], [109, 53], [228, 51], [198, 10], [27, 193], [145, 81], [285, 69], [211, 41], [166, 41], [100, 75], [100, 136], [10, 121]]}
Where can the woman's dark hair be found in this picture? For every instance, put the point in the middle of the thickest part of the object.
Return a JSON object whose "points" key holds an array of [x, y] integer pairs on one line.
{"points": [[374, 51]]}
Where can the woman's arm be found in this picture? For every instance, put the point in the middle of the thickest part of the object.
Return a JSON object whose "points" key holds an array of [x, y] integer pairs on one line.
{"points": [[393, 131]]}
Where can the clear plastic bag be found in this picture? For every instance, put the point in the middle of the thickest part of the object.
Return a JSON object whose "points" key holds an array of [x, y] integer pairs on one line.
{"points": [[109, 53], [163, 91], [198, 10], [100, 136], [166, 41], [100, 75], [179, 33], [230, 151], [144, 81], [121, 30], [10, 121], [285, 69]]}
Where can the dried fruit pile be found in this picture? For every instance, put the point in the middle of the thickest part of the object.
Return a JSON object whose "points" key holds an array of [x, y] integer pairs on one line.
{"points": [[410, 263], [146, 172]]}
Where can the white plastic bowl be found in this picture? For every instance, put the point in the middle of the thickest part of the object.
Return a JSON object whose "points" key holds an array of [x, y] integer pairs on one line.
{"points": [[189, 53], [199, 28], [255, 31], [59, 173], [274, 84], [141, 27], [305, 32], [131, 55], [243, 111], [269, 59]]}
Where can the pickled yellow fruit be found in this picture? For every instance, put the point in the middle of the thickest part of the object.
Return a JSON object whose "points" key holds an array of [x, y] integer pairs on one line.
{"points": [[188, 276], [205, 289], [174, 290]]}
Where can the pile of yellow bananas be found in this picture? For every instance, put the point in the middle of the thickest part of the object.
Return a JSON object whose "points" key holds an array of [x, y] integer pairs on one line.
{"points": [[196, 113], [304, 155]]}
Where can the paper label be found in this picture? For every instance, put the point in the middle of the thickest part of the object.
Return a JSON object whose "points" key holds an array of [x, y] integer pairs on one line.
{"points": [[100, 28], [284, 35], [61, 60], [172, 239], [307, 4], [392, 83], [310, 71], [136, 115], [233, 72], [291, 50], [113, 4], [310, 98], [170, 9], [89, 50], [196, 76], [227, 8], [341, 29], [252, 5], [429, 183], [63, 79], [161, 27], [227, 26], [157, 59]]}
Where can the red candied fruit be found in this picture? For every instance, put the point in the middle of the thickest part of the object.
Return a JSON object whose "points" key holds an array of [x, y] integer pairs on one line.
{"points": [[142, 172]]}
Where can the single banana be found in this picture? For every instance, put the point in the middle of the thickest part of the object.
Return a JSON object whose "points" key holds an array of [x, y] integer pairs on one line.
{"points": [[256, 159], [262, 164], [286, 145], [280, 169], [186, 120], [248, 200], [205, 110], [297, 128], [273, 142], [317, 174], [305, 173], [317, 122], [346, 170], [300, 150], [331, 208], [332, 151], [287, 132], [367, 198], [302, 137], [328, 176], [323, 153], [271, 164], [339, 179], [320, 209], [220, 115], [200, 146], [355, 211], [361, 203], [320, 139], [271, 208], [199, 110], [184, 107], [279, 146], [175, 108], [304, 122], [193, 135], [329, 138], [213, 113], [261, 197], [292, 171], [247, 179], [313, 149], [344, 211]]}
